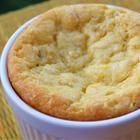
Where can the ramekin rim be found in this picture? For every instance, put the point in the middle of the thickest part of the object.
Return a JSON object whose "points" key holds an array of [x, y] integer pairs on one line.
{"points": [[44, 117]]}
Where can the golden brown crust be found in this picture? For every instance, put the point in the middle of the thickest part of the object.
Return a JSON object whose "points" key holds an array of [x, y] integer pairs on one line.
{"points": [[79, 62]]}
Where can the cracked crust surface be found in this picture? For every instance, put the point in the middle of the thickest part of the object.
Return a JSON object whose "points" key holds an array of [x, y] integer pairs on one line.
{"points": [[79, 62]]}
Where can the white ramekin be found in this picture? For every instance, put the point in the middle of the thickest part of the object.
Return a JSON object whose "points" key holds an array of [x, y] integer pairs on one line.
{"points": [[38, 126]]}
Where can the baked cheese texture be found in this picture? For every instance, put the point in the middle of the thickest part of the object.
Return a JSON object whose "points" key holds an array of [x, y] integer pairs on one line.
{"points": [[79, 62]]}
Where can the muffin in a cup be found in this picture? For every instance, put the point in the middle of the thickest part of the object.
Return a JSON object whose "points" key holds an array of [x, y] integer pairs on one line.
{"points": [[73, 73]]}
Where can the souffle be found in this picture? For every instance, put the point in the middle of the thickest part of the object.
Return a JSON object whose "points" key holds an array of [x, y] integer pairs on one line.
{"points": [[79, 62]]}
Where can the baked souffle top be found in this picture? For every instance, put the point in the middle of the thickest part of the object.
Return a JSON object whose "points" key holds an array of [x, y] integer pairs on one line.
{"points": [[79, 62]]}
